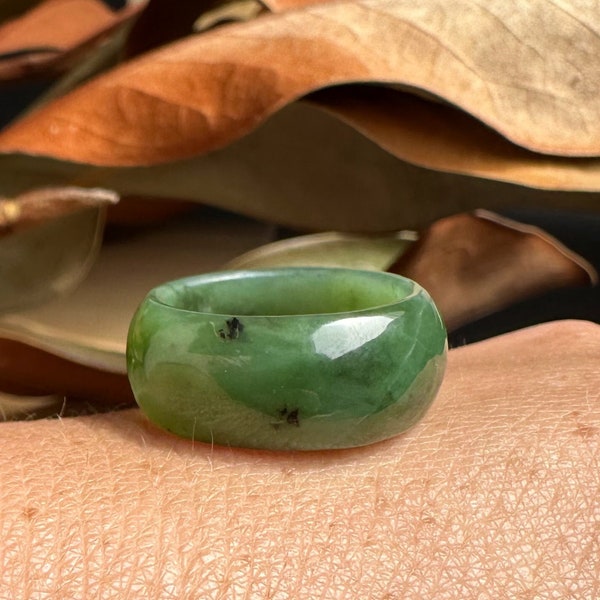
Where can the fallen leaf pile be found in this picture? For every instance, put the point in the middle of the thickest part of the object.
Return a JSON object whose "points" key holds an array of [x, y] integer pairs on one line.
{"points": [[370, 117]]}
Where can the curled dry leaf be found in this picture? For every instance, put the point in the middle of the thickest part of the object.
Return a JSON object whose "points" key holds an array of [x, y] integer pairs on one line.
{"points": [[477, 264], [530, 83], [303, 168], [49, 239], [43, 204], [236, 10], [440, 137], [26, 370], [283, 5], [51, 35], [329, 249]]}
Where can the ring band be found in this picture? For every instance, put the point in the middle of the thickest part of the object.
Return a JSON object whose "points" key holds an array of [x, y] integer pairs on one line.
{"points": [[298, 358]]}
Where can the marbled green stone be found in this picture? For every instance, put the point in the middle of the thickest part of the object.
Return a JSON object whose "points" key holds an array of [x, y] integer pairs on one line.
{"points": [[291, 358]]}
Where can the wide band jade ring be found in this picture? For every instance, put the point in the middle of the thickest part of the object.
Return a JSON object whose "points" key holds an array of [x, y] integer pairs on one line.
{"points": [[291, 358]]}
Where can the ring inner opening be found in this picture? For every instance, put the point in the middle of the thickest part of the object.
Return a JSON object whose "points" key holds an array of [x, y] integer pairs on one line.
{"points": [[290, 293]]}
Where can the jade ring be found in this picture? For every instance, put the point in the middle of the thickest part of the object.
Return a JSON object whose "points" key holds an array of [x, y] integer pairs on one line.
{"points": [[298, 358]]}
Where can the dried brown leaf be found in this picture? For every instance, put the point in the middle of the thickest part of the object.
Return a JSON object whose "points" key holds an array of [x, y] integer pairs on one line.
{"points": [[328, 249], [534, 85], [283, 5], [477, 264], [25, 369], [440, 137], [52, 34], [48, 243], [39, 205], [236, 10], [305, 169]]}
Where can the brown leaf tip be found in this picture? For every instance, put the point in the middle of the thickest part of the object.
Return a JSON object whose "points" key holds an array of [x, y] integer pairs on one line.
{"points": [[44, 204]]}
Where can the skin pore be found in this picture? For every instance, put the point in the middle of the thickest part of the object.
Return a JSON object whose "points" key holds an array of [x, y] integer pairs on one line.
{"points": [[493, 494]]}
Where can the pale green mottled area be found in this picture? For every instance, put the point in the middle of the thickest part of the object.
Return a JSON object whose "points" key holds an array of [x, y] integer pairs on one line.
{"points": [[289, 372]]}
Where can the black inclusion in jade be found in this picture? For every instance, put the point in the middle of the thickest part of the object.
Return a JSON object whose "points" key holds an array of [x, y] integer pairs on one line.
{"points": [[295, 358]]}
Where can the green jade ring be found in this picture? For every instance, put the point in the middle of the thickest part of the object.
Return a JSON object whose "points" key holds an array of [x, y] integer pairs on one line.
{"points": [[287, 359]]}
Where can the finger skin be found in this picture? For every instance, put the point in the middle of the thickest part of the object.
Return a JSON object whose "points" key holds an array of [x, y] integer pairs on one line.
{"points": [[494, 494]]}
